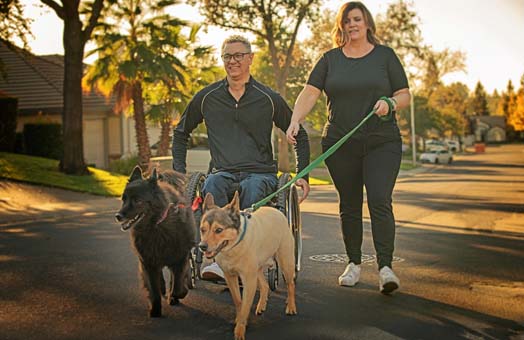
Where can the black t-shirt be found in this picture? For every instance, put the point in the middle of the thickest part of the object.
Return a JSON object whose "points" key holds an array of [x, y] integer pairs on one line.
{"points": [[353, 86]]}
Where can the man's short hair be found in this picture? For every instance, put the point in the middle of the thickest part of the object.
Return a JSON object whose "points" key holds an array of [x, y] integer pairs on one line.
{"points": [[234, 39]]}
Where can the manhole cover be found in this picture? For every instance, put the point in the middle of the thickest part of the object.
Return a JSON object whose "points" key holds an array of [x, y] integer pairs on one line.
{"points": [[343, 258]]}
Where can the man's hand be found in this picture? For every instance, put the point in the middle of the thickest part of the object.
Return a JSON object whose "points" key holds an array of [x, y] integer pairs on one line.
{"points": [[304, 185]]}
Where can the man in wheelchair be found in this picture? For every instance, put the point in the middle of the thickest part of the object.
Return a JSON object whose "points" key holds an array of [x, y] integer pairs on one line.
{"points": [[239, 113]]}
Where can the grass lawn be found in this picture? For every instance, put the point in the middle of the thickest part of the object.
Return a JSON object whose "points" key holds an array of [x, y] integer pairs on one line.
{"points": [[44, 171], [407, 165]]}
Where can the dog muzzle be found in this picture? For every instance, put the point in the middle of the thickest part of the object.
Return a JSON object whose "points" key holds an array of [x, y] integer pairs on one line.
{"points": [[212, 253], [128, 224]]}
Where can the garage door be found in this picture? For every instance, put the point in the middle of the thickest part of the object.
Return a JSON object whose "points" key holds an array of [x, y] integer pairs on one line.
{"points": [[94, 143]]}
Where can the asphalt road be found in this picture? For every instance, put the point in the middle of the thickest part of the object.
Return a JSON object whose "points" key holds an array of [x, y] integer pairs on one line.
{"points": [[459, 255]]}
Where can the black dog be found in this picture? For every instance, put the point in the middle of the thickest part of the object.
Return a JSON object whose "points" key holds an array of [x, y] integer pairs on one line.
{"points": [[162, 232]]}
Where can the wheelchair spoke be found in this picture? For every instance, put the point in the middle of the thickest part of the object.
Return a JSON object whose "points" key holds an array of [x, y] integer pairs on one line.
{"points": [[193, 192]]}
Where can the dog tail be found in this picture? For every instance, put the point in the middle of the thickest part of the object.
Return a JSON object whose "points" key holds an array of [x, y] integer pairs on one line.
{"points": [[176, 179]]}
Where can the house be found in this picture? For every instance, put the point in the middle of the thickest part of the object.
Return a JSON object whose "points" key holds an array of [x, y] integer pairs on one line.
{"points": [[489, 129], [37, 83]]}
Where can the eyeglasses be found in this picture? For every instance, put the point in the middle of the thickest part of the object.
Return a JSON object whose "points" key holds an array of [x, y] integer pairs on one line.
{"points": [[237, 56]]}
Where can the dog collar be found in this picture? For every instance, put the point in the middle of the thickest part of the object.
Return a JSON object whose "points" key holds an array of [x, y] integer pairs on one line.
{"points": [[243, 232], [166, 211]]}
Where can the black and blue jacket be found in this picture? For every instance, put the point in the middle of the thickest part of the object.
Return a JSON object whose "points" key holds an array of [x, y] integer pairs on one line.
{"points": [[239, 132]]}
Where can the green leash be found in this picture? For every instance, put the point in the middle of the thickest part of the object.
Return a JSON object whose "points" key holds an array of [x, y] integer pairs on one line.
{"points": [[325, 155]]}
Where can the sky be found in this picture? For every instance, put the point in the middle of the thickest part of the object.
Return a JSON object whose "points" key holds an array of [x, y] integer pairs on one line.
{"points": [[490, 33]]}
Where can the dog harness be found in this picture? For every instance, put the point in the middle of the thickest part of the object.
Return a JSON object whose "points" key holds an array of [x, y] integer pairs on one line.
{"points": [[166, 212]]}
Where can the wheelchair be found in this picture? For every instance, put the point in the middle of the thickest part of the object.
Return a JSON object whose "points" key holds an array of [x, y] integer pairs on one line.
{"points": [[286, 201]]}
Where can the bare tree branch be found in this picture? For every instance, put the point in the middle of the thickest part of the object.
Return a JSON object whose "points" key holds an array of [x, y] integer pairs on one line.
{"points": [[93, 19], [56, 7]]}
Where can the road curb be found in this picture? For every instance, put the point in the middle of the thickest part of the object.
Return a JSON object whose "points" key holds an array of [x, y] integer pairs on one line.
{"points": [[99, 206]]}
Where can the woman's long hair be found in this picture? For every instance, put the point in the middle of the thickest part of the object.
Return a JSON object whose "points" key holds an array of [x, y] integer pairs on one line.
{"points": [[339, 36]]}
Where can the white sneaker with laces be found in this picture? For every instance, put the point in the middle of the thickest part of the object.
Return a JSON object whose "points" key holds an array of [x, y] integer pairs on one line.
{"points": [[350, 276], [212, 272], [388, 281]]}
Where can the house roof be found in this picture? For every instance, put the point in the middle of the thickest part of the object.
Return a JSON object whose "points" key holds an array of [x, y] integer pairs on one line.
{"points": [[37, 82], [491, 121]]}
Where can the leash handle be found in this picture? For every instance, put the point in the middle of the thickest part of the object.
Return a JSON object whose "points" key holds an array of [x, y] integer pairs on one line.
{"points": [[317, 161], [391, 108]]}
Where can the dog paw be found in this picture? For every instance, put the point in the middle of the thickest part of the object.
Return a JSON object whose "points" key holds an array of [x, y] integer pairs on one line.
{"points": [[291, 310], [240, 332], [260, 309], [173, 301]]}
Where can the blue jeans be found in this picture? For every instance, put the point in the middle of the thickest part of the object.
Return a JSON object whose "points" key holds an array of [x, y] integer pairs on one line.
{"points": [[252, 186]]}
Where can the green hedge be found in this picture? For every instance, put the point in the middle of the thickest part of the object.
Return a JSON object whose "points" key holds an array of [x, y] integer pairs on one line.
{"points": [[8, 116], [123, 166], [44, 140]]}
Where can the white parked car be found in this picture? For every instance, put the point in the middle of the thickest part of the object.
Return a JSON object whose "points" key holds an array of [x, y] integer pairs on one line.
{"points": [[437, 157], [432, 145], [453, 145]]}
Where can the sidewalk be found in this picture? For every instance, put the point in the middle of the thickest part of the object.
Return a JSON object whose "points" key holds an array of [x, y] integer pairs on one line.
{"points": [[323, 172], [58, 211], [22, 202]]}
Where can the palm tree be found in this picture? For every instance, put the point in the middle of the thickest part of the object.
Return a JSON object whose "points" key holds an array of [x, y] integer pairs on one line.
{"points": [[135, 49], [170, 96]]}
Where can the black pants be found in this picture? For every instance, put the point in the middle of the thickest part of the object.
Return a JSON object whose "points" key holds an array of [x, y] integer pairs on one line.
{"points": [[360, 163]]}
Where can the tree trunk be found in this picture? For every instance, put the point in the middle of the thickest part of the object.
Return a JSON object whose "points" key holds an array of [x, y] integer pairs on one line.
{"points": [[72, 117], [142, 140], [166, 125]]}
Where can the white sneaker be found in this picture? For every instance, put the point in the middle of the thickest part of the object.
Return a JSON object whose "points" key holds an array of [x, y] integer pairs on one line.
{"points": [[350, 276], [387, 280], [212, 272]]}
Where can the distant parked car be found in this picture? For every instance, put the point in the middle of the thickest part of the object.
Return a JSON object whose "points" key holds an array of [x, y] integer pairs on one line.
{"points": [[453, 145], [432, 145], [437, 157]]}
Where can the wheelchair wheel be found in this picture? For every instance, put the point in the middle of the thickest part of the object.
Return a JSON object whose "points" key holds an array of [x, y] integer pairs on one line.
{"points": [[296, 226], [272, 276], [288, 203], [192, 277], [282, 197], [170, 285], [194, 192]]}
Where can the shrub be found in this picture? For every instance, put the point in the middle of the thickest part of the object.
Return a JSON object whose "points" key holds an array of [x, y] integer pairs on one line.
{"points": [[19, 143], [8, 116], [123, 166], [44, 140]]}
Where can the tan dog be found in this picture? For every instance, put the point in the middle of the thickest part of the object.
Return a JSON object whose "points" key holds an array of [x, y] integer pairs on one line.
{"points": [[243, 244]]}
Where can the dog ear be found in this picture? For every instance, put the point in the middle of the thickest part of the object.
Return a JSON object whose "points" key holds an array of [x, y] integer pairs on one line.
{"points": [[136, 174], [209, 202], [154, 176], [234, 205]]}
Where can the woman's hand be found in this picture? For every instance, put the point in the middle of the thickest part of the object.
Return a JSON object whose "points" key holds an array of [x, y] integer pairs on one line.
{"points": [[381, 107], [292, 131]]}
